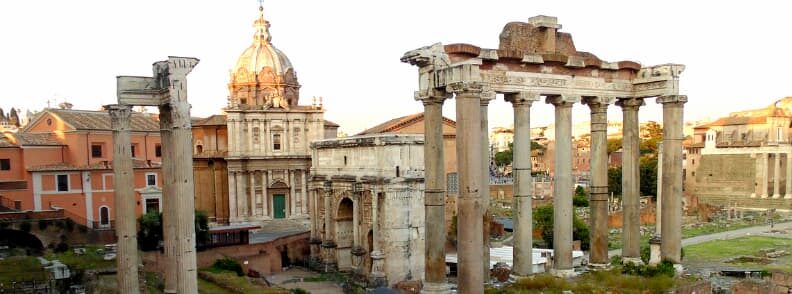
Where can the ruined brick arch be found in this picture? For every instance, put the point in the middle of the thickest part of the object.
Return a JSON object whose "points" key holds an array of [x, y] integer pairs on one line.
{"points": [[15, 238]]}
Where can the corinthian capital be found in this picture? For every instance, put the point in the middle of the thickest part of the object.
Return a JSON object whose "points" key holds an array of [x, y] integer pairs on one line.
{"points": [[680, 99], [563, 100], [119, 115], [630, 103], [432, 96], [522, 98]]}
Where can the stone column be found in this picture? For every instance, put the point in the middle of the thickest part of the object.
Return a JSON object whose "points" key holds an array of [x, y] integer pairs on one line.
{"points": [[671, 243], [262, 138], [239, 138], [250, 137], [316, 241], [631, 188], [265, 180], [485, 180], [563, 190], [169, 201], [357, 252], [232, 203], [469, 205], [523, 183], [124, 185], [776, 175], [292, 194], [252, 196], [328, 244], [377, 277], [434, 195], [765, 174], [241, 195], [788, 191], [231, 142], [658, 215], [598, 190], [304, 194]]}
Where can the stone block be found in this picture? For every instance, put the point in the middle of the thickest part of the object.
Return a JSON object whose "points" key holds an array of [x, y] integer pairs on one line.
{"points": [[781, 290], [782, 278]]}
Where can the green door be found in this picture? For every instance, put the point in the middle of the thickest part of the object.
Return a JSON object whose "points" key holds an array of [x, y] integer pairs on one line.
{"points": [[279, 205]]}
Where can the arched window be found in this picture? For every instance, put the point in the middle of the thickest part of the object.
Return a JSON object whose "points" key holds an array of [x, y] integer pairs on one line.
{"points": [[104, 216]]}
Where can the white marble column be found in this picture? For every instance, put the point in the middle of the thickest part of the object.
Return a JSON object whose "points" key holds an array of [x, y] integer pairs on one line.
{"points": [[434, 199], [788, 191], [485, 179], [598, 190], [671, 243], [377, 277], [631, 179], [776, 175], [765, 173], [523, 183], [470, 230], [233, 214], [124, 198], [564, 185], [169, 201]]}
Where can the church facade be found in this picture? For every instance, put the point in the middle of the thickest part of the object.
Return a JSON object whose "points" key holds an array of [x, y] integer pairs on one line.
{"points": [[256, 158]]}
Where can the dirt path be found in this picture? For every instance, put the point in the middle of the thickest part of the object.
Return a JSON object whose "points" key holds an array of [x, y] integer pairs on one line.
{"points": [[293, 278]]}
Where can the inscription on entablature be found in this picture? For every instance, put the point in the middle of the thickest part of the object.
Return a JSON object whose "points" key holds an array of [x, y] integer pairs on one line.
{"points": [[650, 86]]}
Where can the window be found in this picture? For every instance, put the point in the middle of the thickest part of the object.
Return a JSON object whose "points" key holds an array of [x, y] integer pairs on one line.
{"points": [[132, 148], [199, 149], [5, 164], [96, 150], [151, 180], [158, 150], [17, 205], [62, 183], [453, 183], [276, 142], [104, 216]]}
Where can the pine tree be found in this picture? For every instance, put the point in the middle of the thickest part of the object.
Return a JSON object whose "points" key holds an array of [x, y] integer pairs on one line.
{"points": [[13, 118], [2, 114]]}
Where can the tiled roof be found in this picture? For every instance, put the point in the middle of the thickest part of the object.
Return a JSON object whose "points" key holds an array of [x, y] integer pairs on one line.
{"points": [[214, 120], [100, 120], [28, 139], [398, 123], [331, 124]]}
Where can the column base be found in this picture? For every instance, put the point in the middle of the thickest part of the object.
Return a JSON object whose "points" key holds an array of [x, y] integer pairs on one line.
{"points": [[763, 196], [788, 196], [329, 267], [634, 260], [563, 273], [598, 266], [776, 196], [436, 288], [753, 195]]}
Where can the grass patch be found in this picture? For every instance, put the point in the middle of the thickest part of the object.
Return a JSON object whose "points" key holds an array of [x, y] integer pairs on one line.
{"points": [[719, 250], [229, 280], [713, 228], [328, 277], [611, 281], [206, 287], [90, 260], [21, 268]]}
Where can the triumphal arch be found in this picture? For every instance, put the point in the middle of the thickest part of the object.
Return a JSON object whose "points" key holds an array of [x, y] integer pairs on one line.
{"points": [[533, 61]]}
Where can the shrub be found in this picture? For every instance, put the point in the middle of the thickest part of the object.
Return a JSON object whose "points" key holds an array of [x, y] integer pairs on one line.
{"points": [[69, 225], [299, 291], [227, 264], [62, 247], [25, 226], [42, 224]]}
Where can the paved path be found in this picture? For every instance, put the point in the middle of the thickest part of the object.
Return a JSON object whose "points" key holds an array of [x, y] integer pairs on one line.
{"points": [[757, 230]]}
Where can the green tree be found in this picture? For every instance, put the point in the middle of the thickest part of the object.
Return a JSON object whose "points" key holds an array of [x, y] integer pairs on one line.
{"points": [[504, 158], [614, 144], [581, 197], [543, 220], [2, 114], [648, 173], [150, 233], [614, 180]]}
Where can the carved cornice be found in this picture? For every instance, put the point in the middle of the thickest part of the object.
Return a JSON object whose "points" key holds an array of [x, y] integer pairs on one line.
{"points": [[466, 87], [564, 100], [599, 100], [522, 98]]}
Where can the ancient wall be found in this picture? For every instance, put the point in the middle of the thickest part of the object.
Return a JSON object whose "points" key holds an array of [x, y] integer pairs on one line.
{"points": [[724, 178]]}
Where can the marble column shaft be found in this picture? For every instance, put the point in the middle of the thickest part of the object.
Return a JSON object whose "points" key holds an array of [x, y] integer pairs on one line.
{"points": [[169, 201], [434, 193], [765, 174], [564, 185], [598, 190], [123, 185], [631, 187], [523, 183], [328, 243], [788, 179], [671, 244], [485, 179], [469, 205], [776, 175]]}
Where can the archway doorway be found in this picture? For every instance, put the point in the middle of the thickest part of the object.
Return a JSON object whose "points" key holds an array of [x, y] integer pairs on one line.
{"points": [[21, 240], [344, 234]]}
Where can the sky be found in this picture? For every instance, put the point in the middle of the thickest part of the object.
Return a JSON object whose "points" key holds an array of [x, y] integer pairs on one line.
{"points": [[736, 52]]}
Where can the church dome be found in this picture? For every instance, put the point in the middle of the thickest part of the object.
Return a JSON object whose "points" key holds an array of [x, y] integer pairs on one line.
{"points": [[263, 76]]}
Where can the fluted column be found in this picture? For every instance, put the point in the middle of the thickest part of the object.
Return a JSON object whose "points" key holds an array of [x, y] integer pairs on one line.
{"points": [[776, 175], [788, 191], [485, 179], [562, 193], [631, 188], [377, 277], [598, 199], [469, 205], [671, 244], [123, 185], [523, 182], [434, 195]]}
